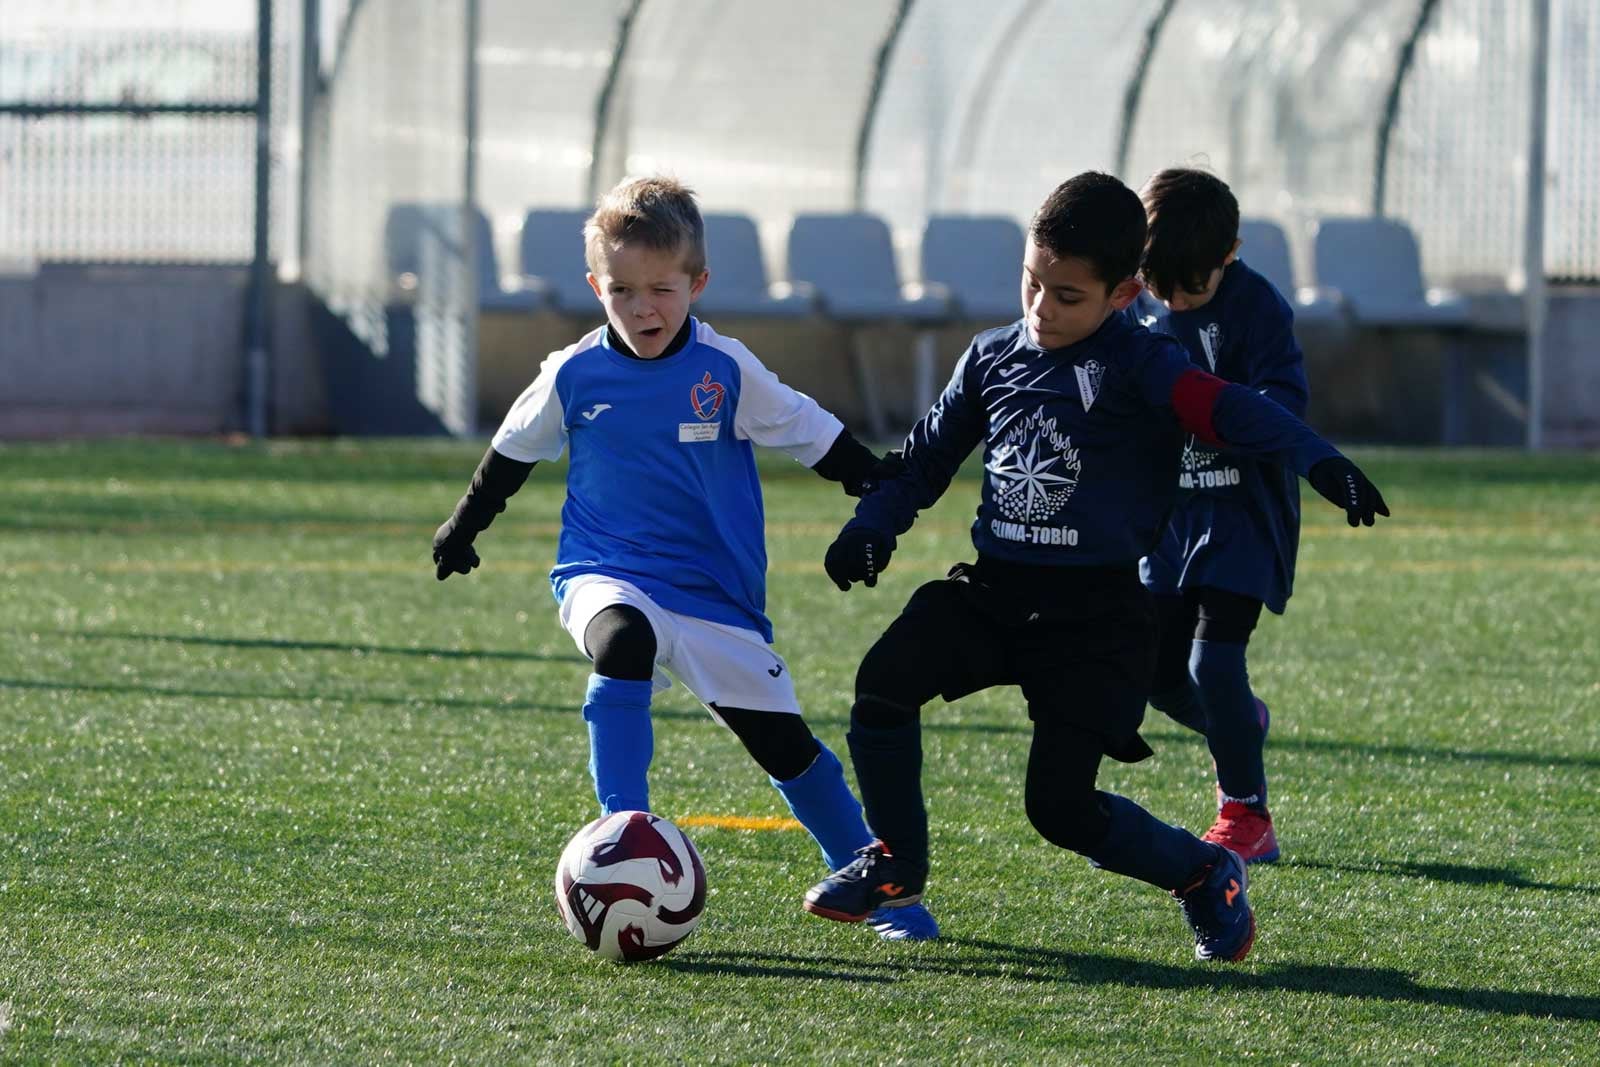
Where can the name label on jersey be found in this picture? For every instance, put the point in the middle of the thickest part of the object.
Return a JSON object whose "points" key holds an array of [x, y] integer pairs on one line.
{"points": [[1210, 479], [1034, 535], [698, 431]]}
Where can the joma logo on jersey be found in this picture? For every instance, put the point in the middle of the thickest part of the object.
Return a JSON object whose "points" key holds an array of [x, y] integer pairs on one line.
{"points": [[706, 398]]}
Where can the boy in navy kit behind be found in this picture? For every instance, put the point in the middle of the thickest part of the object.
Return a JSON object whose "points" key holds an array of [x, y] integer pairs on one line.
{"points": [[661, 563], [1081, 414], [1230, 546]]}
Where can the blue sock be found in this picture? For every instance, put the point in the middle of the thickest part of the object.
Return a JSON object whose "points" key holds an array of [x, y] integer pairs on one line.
{"points": [[821, 799], [621, 742], [1141, 846], [1182, 706], [1233, 723]]}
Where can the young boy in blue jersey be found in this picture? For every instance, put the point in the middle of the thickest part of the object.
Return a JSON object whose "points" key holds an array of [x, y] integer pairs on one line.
{"points": [[1081, 413], [1229, 548], [661, 562]]}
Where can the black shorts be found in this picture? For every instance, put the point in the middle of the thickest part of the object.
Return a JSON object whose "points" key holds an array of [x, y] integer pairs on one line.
{"points": [[1202, 614], [1080, 642]]}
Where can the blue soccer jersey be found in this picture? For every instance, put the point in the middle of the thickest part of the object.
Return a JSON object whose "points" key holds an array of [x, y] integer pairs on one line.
{"points": [[1237, 523], [1079, 444], [661, 487]]}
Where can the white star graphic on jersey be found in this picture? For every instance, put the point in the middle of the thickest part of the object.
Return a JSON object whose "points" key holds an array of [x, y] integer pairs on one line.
{"points": [[1032, 473], [596, 410]]}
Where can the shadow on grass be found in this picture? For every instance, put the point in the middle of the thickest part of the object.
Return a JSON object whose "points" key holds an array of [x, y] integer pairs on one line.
{"points": [[320, 646], [1396, 751], [1457, 873], [975, 958]]}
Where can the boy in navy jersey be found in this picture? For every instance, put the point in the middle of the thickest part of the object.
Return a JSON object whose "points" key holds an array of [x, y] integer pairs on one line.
{"points": [[1081, 414], [1230, 546], [661, 563]]}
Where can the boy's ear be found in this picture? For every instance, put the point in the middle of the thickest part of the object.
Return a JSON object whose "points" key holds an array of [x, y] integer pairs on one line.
{"points": [[594, 283], [698, 285], [1124, 293], [1233, 253]]}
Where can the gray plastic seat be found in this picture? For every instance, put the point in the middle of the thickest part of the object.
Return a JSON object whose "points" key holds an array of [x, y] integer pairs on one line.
{"points": [[1265, 249], [1374, 262], [739, 275], [552, 255], [408, 225], [848, 259], [978, 259]]}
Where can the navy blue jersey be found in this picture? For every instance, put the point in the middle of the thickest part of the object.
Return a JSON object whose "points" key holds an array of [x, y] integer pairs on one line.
{"points": [[1079, 444], [1237, 523], [662, 488]]}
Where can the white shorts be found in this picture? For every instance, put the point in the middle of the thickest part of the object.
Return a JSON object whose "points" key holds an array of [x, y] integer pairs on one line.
{"points": [[718, 663]]}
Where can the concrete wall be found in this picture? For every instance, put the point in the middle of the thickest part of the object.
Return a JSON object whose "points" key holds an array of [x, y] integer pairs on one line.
{"points": [[94, 350], [106, 350]]}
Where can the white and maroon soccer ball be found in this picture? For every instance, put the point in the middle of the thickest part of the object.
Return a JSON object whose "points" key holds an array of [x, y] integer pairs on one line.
{"points": [[630, 886]]}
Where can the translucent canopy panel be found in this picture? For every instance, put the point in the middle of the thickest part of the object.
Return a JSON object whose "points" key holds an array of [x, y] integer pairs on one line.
{"points": [[758, 106], [1572, 202], [1283, 100], [987, 107], [542, 70], [1457, 161]]}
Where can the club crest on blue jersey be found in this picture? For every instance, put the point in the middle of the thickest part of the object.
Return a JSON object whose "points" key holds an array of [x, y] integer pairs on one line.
{"points": [[706, 398]]}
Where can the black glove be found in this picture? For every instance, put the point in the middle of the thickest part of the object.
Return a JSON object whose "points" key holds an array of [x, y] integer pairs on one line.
{"points": [[493, 483], [853, 465], [1343, 483], [453, 551], [858, 554]]}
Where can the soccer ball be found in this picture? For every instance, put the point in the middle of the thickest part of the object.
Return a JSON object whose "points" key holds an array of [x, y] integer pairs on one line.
{"points": [[630, 886]]}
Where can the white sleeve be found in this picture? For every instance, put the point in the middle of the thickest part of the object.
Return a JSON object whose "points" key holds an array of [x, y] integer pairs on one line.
{"points": [[536, 426], [772, 414]]}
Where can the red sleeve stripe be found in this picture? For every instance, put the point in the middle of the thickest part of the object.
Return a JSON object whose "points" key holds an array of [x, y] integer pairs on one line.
{"points": [[1194, 397]]}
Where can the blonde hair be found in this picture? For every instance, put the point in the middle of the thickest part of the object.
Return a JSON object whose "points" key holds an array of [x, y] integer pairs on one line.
{"points": [[655, 212]]}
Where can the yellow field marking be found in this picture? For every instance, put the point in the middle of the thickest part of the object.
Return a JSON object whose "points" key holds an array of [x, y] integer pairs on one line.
{"points": [[740, 822]]}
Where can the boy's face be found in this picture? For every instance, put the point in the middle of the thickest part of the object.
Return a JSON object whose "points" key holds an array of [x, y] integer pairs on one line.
{"points": [[646, 293], [1181, 299], [1063, 300]]}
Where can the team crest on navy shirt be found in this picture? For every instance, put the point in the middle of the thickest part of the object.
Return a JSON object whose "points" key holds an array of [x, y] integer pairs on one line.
{"points": [[1089, 376], [1211, 343], [706, 398], [1034, 470]]}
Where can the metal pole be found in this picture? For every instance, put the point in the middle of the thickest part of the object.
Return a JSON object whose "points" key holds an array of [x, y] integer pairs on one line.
{"points": [[310, 82], [258, 343], [467, 304], [1535, 295]]}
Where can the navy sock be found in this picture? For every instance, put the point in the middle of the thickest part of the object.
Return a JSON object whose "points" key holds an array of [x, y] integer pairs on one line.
{"points": [[1182, 706], [821, 799], [621, 742], [888, 763], [1141, 846], [1233, 722]]}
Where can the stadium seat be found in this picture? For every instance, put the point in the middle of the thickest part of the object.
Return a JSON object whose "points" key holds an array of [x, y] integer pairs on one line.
{"points": [[978, 259], [739, 274], [848, 260], [1266, 249], [1374, 262], [403, 236], [551, 250]]}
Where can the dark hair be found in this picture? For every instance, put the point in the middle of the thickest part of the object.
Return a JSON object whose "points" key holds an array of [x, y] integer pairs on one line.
{"points": [[1095, 218], [1194, 221], [657, 212]]}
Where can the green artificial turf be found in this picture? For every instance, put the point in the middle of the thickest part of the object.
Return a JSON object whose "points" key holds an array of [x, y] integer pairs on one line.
{"points": [[270, 792]]}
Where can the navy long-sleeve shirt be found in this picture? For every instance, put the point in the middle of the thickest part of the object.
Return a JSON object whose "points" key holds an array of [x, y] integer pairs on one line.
{"points": [[1080, 444], [1237, 523]]}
